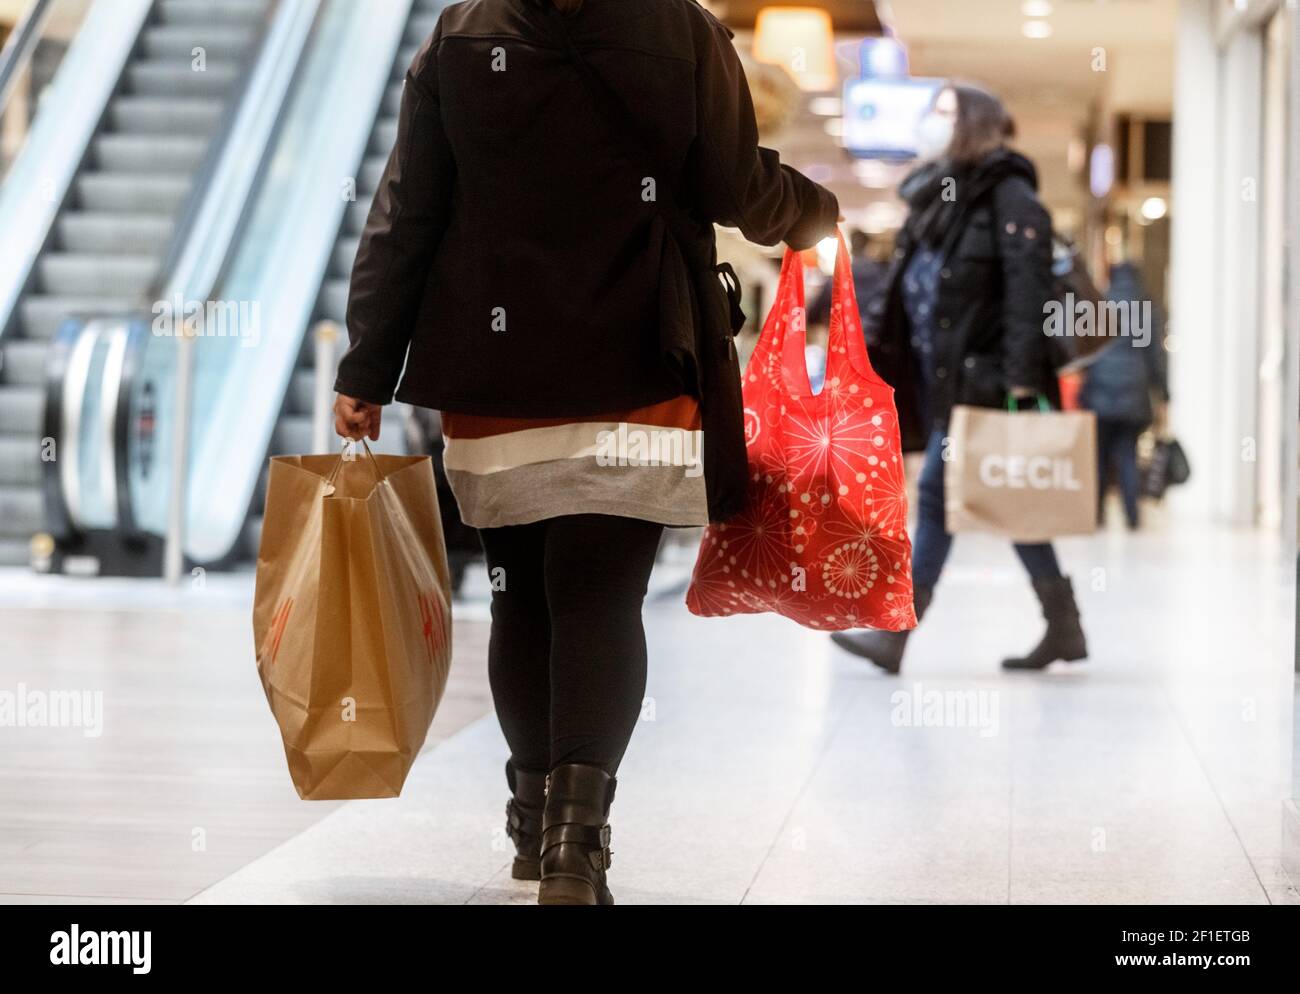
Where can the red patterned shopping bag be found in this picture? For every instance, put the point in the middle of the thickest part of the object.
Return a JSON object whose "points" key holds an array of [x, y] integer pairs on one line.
{"points": [[823, 539]]}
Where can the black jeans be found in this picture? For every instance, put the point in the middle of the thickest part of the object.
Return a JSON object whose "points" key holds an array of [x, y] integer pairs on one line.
{"points": [[1117, 451], [567, 655]]}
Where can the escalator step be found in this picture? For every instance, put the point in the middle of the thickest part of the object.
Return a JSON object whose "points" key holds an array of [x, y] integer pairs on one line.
{"points": [[249, 13], [345, 253], [407, 55], [74, 275], [302, 390], [292, 436], [333, 302], [149, 153], [167, 78], [43, 315], [384, 137], [22, 511], [419, 27], [20, 461], [160, 194], [137, 234], [15, 552], [392, 99], [372, 171], [22, 410], [24, 365], [166, 115], [217, 42], [355, 221]]}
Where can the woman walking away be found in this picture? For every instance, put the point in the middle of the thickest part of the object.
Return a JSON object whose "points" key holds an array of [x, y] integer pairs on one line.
{"points": [[961, 322], [1119, 385], [517, 275]]}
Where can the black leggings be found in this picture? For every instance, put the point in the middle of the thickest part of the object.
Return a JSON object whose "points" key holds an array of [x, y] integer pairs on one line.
{"points": [[567, 656]]}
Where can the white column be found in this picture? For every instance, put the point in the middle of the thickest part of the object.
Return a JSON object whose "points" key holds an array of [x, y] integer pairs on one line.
{"points": [[1215, 280], [1195, 342], [1240, 141]]}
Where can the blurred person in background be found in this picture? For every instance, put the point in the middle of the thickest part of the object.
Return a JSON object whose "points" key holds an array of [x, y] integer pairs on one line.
{"points": [[868, 279], [511, 252], [961, 322], [1118, 388]]}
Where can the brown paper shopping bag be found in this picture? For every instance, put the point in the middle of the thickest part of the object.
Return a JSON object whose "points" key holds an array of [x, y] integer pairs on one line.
{"points": [[1030, 476], [352, 618]]}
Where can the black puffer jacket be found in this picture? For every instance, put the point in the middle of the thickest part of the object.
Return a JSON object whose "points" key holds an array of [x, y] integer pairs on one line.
{"points": [[1120, 382], [995, 238], [512, 245]]}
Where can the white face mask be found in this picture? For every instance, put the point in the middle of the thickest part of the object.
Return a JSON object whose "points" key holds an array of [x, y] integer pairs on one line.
{"points": [[933, 136]]}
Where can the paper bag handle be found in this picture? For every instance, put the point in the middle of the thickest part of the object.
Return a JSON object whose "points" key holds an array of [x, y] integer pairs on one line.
{"points": [[338, 465]]}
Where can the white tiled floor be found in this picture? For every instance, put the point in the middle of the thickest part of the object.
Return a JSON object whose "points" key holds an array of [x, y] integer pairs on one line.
{"points": [[772, 768]]}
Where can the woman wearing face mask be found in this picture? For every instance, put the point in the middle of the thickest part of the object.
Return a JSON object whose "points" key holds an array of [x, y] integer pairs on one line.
{"points": [[961, 322]]}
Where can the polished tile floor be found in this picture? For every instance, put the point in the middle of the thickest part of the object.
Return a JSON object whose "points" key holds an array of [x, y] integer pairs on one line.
{"points": [[769, 767]]}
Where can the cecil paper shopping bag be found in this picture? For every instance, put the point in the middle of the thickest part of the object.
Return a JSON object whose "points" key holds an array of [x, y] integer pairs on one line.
{"points": [[1029, 476]]}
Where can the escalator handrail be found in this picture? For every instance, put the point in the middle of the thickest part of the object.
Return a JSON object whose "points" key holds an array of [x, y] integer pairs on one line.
{"points": [[20, 44]]}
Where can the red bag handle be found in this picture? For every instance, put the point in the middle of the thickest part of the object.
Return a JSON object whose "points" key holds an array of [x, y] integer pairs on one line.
{"points": [[783, 352], [846, 346], [789, 296]]}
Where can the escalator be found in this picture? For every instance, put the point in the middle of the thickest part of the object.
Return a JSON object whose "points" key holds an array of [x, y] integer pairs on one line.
{"points": [[295, 260], [216, 405], [117, 220]]}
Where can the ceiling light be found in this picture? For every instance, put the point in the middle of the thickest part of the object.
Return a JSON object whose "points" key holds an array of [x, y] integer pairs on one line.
{"points": [[1036, 29], [1154, 208], [826, 106], [802, 41], [1036, 8]]}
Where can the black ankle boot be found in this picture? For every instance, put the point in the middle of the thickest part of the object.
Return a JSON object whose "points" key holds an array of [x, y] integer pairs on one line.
{"points": [[524, 820], [885, 649], [575, 836], [1063, 639]]}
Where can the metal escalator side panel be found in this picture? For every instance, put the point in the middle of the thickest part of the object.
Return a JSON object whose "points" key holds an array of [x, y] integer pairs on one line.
{"points": [[72, 108], [279, 266]]}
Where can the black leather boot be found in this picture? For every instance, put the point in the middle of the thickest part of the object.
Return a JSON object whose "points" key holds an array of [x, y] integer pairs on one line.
{"points": [[1063, 639], [524, 820], [885, 649], [575, 836]]}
